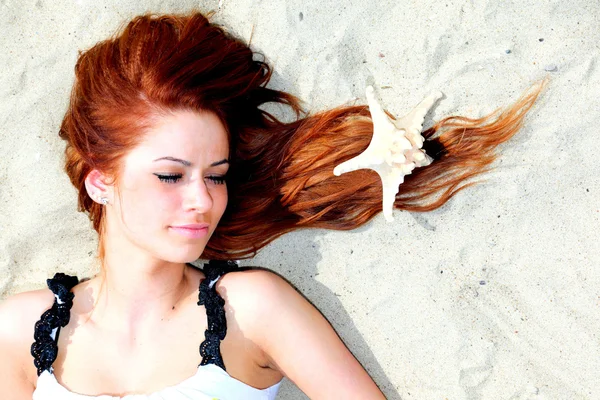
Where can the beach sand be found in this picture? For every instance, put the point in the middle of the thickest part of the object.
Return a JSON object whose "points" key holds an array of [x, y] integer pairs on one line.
{"points": [[494, 296]]}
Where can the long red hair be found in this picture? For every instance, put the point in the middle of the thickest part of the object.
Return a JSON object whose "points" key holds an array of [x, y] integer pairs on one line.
{"points": [[281, 176]]}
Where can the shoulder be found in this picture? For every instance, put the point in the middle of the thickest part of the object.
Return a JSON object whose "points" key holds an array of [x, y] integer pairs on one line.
{"points": [[261, 306], [18, 315], [255, 290], [261, 300], [247, 279]]}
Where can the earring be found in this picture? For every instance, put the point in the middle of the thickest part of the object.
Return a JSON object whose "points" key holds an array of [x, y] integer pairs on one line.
{"points": [[104, 201]]}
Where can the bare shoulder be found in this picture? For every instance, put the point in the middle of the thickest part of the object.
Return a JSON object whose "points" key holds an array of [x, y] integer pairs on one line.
{"points": [[248, 279], [18, 315], [257, 297], [257, 302], [254, 289]]}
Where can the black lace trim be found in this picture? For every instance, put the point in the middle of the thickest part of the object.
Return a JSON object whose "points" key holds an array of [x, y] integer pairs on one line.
{"points": [[44, 350], [215, 312]]}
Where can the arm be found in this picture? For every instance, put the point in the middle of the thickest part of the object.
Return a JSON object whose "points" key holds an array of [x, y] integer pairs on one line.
{"points": [[300, 343], [18, 315]]}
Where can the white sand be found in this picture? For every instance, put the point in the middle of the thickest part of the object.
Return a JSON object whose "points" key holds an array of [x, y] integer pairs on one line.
{"points": [[494, 296]]}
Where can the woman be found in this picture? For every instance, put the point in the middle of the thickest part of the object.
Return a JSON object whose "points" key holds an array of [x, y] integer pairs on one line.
{"points": [[175, 158]]}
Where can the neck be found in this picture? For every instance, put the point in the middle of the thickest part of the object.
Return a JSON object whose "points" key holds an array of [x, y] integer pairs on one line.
{"points": [[134, 289]]}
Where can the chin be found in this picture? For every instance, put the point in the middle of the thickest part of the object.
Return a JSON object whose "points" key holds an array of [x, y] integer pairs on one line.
{"points": [[182, 254]]}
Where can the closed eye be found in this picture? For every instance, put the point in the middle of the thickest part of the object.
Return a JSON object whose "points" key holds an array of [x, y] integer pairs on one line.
{"points": [[170, 178], [219, 180]]}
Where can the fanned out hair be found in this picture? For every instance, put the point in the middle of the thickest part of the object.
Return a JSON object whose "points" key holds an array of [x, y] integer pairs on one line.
{"points": [[281, 175]]}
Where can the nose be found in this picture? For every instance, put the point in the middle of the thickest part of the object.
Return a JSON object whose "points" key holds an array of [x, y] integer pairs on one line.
{"points": [[198, 197]]}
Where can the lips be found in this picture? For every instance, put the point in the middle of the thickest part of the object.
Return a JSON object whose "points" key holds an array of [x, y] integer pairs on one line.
{"points": [[192, 226], [194, 231]]}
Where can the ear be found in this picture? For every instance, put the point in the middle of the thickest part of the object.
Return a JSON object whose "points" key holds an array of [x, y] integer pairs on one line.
{"points": [[99, 186]]}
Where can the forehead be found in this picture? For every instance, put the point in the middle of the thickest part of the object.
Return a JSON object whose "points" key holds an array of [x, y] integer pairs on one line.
{"points": [[191, 135]]}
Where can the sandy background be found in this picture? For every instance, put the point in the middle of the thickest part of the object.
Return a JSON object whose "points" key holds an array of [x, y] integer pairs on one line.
{"points": [[494, 296]]}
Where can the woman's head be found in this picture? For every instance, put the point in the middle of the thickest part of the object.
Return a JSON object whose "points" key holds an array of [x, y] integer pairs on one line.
{"points": [[164, 71], [171, 181]]}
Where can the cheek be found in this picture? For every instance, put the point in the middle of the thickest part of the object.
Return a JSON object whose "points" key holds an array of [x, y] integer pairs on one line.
{"points": [[165, 202], [148, 207]]}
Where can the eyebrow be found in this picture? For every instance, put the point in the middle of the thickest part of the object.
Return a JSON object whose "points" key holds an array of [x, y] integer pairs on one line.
{"points": [[189, 164]]}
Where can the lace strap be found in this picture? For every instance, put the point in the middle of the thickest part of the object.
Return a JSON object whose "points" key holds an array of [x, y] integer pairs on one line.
{"points": [[44, 350], [210, 349]]}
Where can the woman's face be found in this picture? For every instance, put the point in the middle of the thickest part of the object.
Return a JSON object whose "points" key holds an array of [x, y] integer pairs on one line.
{"points": [[172, 191]]}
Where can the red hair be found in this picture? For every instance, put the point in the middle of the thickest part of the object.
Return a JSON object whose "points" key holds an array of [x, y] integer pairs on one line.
{"points": [[281, 176]]}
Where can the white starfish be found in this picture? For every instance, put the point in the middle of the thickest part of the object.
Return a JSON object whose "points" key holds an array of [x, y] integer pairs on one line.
{"points": [[395, 148]]}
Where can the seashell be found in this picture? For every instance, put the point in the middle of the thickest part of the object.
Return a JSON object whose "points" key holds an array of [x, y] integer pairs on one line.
{"points": [[395, 149]]}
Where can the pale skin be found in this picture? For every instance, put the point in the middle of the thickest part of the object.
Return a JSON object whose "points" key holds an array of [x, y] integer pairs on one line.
{"points": [[139, 330]]}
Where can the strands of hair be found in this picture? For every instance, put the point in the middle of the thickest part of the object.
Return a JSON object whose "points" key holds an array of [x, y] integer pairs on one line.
{"points": [[293, 184], [281, 176]]}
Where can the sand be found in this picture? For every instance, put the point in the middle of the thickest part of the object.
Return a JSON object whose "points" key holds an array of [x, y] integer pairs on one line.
{"points": [[494, 296]]}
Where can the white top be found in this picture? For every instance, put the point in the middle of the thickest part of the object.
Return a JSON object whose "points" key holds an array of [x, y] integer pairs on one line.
{"points": [[209, 383]]}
